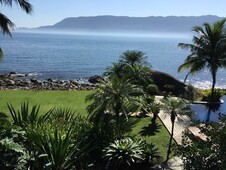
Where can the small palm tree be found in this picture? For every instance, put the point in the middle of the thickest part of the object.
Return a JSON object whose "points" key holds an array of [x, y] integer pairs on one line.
{"points": [[6, 25], [134, 57], [113, 96], [173, 106], [155, 109], [207, 51], [116, 70]]}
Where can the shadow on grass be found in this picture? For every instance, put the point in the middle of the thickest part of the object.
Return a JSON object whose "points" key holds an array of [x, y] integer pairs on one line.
{"points": [[150, 130]]}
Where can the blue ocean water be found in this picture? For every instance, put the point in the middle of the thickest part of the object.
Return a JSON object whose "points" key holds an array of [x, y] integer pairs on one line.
{"points": [[71, 56]]}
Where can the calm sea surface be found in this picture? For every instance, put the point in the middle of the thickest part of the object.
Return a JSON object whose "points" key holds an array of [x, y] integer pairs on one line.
{"points": [[61, 56]]}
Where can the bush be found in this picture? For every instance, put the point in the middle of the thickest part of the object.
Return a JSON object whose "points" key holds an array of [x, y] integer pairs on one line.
{"points": [[129, 153], [152, 89], [216, 95], [124, 153]]}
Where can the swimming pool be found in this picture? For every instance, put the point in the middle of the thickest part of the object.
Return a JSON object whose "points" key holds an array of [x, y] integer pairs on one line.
{"points": [[200, 111]]}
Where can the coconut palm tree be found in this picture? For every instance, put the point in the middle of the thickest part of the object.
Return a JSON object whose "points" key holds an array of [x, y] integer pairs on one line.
{"points": [[173, 106], [6, 25], [207, 51], [113, 96]]}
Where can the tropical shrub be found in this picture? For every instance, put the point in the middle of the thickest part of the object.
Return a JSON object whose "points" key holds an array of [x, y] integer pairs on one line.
{"points": [[152, 155], [13, 151], [123, 153], [205, 154], [62, 151], [152, 89], [56, 140], [24, 116], [216, 96], [199, 155]]}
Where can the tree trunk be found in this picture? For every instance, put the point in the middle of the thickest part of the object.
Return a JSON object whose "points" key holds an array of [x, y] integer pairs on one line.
{"points": [[213, 86], [173, 116], [153, 120], [186, 77]]}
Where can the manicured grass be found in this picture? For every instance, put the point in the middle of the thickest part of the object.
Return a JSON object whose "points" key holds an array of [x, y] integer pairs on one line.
{"points": [[159, 137], [76, 101], [46, 99]]}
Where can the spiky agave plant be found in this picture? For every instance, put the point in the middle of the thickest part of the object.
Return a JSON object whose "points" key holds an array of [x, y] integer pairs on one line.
{"points": [[123, 153]]}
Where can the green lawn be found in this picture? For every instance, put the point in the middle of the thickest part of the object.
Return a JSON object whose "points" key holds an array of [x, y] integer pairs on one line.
{"points": [[76, 101], [46, 99], [158, 136]]}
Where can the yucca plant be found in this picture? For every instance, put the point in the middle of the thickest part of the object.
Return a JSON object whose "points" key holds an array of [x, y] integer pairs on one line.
{"points": [[61, 149], [23, 116], [124, 153]]}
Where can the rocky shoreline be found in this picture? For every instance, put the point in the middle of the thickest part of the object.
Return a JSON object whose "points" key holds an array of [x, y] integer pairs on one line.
{"points": [[17, 81]]}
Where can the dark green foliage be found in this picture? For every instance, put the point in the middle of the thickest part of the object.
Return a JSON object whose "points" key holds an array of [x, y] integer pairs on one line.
{"points": [[200, 155], [23, 117], [57, 139], [133, 68], [129, 153], [152, 155], [152, 89], [114, 97], [133, 57], [216, 96], [13, 151], [105, 132], [122, 154], [62, 150], [205, 154]]}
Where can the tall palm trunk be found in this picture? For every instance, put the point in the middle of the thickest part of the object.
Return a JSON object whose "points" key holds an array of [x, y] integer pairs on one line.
{"points": [[213, 86], [173, 116]]}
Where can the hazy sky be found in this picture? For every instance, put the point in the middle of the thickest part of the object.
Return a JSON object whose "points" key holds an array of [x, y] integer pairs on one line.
{"points": [[49, 12]]}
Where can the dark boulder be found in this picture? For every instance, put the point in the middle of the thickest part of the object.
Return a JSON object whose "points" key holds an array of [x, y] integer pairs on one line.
{"points": [[167, 84], [96, 79]]}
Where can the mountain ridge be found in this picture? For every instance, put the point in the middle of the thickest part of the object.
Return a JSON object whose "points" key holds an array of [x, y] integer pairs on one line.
{"points": [[110, 23]]}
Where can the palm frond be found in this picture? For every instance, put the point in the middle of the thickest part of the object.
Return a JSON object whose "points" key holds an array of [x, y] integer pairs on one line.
{"points": [[24, 4], [6, 25]]}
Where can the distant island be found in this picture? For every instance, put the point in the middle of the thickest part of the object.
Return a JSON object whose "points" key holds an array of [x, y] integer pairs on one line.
{"points": [[124, 24]]}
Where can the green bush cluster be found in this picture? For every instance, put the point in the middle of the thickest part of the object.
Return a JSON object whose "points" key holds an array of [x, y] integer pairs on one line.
{"points": [[129, 153], [217, 95], [59, 139]]}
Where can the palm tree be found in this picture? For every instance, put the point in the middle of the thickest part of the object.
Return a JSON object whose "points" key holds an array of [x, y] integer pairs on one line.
{"points": [[116, 70], [132, 57], [113, 96], [6, 25], [173, 106], [207, 51]]}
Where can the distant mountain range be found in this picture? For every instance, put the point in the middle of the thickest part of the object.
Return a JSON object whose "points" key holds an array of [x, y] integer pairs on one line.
{"points": [[152, 24]]}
